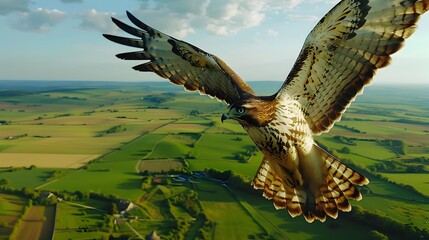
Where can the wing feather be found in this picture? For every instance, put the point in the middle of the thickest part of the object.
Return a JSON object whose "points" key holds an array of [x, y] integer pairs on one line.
{"points": [[342, 53], [180, 62]]}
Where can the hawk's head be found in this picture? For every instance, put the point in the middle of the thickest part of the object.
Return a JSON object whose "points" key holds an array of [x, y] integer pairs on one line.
{"points": [[254, 111]]}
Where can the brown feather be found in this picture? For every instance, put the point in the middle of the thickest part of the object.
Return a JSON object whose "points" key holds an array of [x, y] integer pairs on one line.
{"points": [[342, 53], [180, 62]]}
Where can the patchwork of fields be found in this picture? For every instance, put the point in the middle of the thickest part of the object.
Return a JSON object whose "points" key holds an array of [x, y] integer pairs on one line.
{"points": [[100, 140], [38, 223], [11, 208]]}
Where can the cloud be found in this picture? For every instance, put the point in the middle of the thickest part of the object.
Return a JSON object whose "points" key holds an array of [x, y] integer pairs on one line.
{"points": [[272, 33], [8, 6], [220, 17], [72, 1], [99, 21], [234, 16], [39, 20], [309, 18], [282, 5]]}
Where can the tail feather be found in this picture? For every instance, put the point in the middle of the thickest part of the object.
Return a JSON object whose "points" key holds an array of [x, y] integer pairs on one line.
{"points": [[340, 199], [283, 196], [327, 198], [339, 184], [340, 171]]}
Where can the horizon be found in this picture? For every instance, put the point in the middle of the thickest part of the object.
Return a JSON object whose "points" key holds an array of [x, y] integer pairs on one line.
{"points": [[168, 82]]}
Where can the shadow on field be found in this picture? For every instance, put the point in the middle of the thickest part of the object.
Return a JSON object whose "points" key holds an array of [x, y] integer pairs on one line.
{"points": [[130, 184], [213, 192], [131, 173], [45, 176], [141, 153]]}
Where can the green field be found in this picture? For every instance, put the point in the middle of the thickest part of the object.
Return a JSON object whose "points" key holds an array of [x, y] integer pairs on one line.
{"points": [[231, 220], [71, 219], [418, 181], [11, 208], [28, 178], [101, 139]]}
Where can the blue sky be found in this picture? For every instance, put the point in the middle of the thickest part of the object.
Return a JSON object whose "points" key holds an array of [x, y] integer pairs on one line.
{"points": [[259, 39]]}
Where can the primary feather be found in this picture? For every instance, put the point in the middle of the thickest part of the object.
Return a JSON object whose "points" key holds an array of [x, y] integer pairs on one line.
{"points": [[342, 53], [180, 62], [339, 57]]}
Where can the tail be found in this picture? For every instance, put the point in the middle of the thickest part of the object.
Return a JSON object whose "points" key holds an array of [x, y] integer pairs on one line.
{"points": [[317, 197]]}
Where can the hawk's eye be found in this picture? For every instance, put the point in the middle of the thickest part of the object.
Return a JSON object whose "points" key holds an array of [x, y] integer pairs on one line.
{"points": [[241, 110]]}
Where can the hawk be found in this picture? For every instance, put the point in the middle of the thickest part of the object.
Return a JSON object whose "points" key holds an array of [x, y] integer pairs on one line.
{"points": [[339, 57]]}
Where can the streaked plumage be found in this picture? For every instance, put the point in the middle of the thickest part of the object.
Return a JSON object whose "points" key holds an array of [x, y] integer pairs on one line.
{"points": [[339, 57]]}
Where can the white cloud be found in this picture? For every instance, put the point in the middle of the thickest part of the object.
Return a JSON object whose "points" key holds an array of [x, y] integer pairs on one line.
{"points": [[72, 1], [303, 17], [272, 33], [221, 17], [8, 6], [39, 20], [99, 21]]}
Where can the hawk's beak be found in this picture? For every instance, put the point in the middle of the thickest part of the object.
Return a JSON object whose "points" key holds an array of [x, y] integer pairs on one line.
{"points": [[225, 115]]}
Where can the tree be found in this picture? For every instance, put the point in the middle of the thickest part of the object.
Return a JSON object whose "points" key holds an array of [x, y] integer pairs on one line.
{"points": [[194, 113], [52, 200], [415, 169], [146, 182], [113, 209], [4, 181], [81, 195], [344, 150]]}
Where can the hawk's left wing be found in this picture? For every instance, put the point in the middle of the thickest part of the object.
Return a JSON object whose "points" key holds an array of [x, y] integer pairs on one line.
{"points": [[180, 62], [342, 53]]}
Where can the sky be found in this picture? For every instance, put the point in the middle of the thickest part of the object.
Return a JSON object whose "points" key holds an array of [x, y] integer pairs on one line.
{"points": [[259, 39]]}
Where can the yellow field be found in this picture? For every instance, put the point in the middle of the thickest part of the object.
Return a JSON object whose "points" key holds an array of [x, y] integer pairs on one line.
{"points": [[181, 127], [45, 160], [38, 223], [65, 145]]}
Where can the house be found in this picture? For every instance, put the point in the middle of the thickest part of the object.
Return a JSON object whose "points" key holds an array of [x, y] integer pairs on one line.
{"points": [[152, 236], [45, 195], [157, 180], [124, 205]]}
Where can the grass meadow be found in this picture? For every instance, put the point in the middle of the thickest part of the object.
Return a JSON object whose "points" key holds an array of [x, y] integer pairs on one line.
{"points": [[418, 181], [230, 219], [71, 219], [27, 178], [99, 139]]}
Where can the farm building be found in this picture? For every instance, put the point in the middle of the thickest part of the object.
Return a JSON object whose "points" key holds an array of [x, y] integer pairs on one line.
{"points": [[124, 205], [152, 236]]}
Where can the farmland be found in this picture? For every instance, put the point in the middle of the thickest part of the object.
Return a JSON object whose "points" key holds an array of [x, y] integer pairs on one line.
{"points": [[71, 219], [37, 223], [11, 208], [96, 143]]}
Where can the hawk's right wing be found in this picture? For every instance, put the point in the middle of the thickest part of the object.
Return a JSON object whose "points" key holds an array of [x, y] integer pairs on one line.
{"points": [[180, 62], [342, 53]]}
